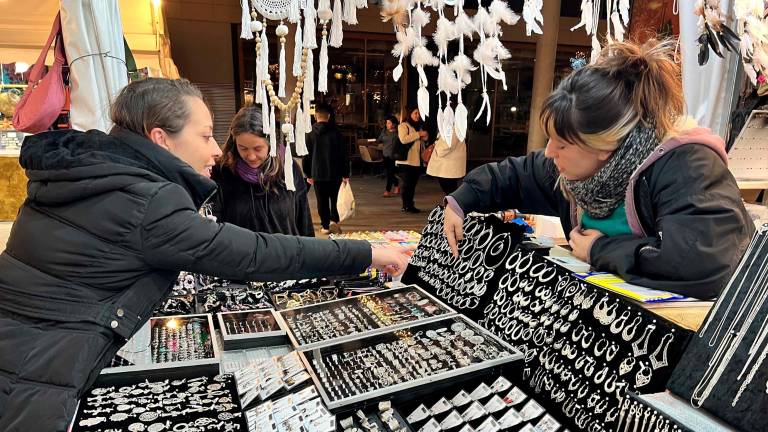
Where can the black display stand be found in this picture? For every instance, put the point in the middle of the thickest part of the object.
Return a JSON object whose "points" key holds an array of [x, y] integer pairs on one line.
{"points": [[724, 369], [462, 283]]}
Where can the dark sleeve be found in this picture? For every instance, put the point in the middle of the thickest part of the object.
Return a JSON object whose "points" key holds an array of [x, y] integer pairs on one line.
{"points": [[175, 237], [526, 183], [303, 215], [702, 225]]}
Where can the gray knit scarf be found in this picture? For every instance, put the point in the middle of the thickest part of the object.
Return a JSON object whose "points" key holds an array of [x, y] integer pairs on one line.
{"points": [[602, 193]]}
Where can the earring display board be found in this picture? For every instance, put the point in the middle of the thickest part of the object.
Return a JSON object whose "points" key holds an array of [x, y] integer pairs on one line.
{"points": [[250, 329], [335, 321], [660, 412], [267, 378], [185, 342], [299, 411], [384, 417], [374, 366], [462, 283], [200, 403], [724, 371], [583, 346]]}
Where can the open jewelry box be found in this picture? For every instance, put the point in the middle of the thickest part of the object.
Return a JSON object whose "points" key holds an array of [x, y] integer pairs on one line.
{"points": [[164, 346], [250, 329], [336, 321], [397, 361]]}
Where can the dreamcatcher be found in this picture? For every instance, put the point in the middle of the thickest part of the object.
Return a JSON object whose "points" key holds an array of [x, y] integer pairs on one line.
{"points": [[302, 13]]}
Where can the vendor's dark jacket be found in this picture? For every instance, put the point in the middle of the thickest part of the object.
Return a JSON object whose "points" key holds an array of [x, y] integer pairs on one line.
{"points": [[109, 222], [247, 205], [689, 224]]}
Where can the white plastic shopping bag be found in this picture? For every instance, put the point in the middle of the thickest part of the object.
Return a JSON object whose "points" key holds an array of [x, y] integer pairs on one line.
{"points": [[345, 202]]}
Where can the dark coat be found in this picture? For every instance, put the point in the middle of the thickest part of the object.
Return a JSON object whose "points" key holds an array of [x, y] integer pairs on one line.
{"points": [[328, 158], [247, 205], [690, 227], [109, 222]]}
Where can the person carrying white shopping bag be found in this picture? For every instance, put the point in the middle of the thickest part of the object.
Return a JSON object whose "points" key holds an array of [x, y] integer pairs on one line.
{"points": [[345, 203]]}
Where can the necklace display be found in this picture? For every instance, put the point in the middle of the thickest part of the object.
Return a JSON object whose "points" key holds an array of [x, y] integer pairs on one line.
{"points": [[723, 370], [200, 404]]}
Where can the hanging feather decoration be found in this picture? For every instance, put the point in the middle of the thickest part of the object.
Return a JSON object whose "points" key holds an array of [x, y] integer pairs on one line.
{"points": [[465, 24], [273, 135], [288, 168], [460, 124], [395, 11], [422, 56], [532, 16], [350, 11], [500, 12], [445, 32], [245, 21], [586, 17], [398, 70], [298, 42], [440, 122], [449, 123], [447, 81], [337, 33], [322, 79], [422, 97], [463, 67], [310, 26], [420, 18]]}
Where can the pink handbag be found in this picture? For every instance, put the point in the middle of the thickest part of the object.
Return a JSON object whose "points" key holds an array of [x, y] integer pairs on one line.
{"points": [[45, 95]]}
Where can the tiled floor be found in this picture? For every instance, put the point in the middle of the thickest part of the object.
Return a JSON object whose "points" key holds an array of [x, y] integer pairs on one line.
{"points": [[372, 211]]}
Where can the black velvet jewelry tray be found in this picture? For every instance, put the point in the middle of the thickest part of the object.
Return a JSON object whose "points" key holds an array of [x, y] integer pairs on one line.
{"points": [[148, 405]]}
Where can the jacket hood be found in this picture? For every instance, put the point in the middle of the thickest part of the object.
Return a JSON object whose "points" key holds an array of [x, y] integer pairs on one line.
{"points": [[65, 166]]}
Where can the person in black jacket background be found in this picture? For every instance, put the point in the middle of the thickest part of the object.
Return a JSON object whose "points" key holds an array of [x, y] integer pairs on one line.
{"points": [[640, 191], [326, 166], [252, 192], [109, 222]]}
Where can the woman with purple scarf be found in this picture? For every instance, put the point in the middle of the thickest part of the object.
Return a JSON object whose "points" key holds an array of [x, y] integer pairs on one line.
{"points": [[252, 192]]}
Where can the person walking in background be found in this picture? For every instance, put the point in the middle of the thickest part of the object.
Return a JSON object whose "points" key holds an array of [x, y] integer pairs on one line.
{"points": [[252, 192], [387, 140], [326, 166], [448, 164], [411, 132]]}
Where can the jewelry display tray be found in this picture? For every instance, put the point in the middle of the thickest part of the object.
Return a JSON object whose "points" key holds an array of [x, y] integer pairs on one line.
{"points": [[276, 335], [398, 390], [442, 311], [138, 350]]}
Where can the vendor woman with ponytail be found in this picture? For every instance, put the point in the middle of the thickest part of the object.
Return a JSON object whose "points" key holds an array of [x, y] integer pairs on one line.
{"points": [[641, 191]]}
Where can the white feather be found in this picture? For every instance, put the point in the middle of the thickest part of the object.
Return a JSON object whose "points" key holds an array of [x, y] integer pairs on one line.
{"points": [[337, 32], [350, 11], [397, 71], [618, 27], [532, 13], [485, 107], [449, 120], [624, 10], [586, 16], [483, 21], [423, 82], [422, 96], [447, 82], [445, 32], [463, 67], [465, 24], [440, 123], [420, 18], [421, 56], [500, 12], [460, 124]]}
